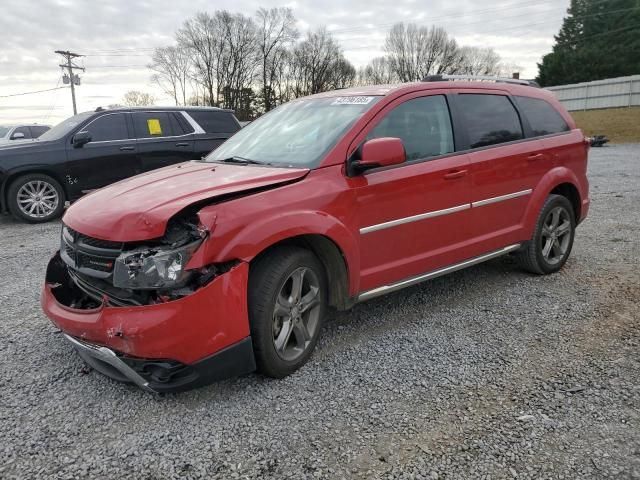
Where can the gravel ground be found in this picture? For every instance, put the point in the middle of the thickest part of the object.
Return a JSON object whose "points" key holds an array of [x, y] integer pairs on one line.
{"points": [[486, 373]]}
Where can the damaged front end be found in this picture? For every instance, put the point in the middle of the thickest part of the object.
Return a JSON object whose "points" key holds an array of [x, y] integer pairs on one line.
{"points": [[136, 273], [137, 312]]}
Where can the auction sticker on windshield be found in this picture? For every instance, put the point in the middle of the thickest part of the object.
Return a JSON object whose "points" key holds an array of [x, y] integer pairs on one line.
{"points": [[352, 100]]}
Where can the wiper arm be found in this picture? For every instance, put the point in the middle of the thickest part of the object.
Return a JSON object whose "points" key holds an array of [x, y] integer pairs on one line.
{"points": [[236, 159]]}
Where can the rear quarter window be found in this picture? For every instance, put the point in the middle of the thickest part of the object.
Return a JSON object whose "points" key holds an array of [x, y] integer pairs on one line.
{"points": [[542, 117], [215, 122]]}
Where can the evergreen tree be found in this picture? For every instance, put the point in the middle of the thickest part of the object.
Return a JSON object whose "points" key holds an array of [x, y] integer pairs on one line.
{"points": [[598, 39]]}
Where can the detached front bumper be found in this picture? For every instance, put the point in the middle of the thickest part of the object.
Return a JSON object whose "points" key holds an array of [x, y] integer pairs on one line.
{"points": [[163, 347]]}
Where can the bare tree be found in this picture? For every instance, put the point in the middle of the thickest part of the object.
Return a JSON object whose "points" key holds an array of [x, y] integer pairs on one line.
{"points": [[172, 66], [478, 61], [377, 72], [414, 52], [135, 98], [250, 65], [200, 37], [239, 60], [319, 65], [276, 34], [507, 69]]}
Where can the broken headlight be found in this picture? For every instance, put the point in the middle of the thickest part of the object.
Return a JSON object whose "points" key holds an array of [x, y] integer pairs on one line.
{"points": [[154, 268]]}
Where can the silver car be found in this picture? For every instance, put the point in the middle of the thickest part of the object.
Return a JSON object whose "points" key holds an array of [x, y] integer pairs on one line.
{"points": [[21, 132]]}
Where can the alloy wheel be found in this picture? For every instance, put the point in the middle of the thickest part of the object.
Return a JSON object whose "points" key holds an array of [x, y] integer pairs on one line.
{"points": [[296, 314], [556, 235], [37, 199]]}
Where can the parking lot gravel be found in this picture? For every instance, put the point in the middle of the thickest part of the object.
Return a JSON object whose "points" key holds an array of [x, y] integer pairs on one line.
{"points": [[486, 373]]}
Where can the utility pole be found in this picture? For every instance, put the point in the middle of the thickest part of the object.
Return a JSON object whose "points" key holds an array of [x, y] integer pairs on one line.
{"points": [[73, 79]]}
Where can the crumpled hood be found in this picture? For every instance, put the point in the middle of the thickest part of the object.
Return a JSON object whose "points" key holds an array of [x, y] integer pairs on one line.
{"points": [[140, 207]]}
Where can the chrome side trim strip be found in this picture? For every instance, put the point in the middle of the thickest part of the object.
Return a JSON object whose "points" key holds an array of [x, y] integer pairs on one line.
{"points": [[436, 273], [509, 196], [108, 356], [414, 218]]}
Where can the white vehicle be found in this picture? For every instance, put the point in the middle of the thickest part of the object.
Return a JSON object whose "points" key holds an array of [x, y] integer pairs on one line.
{"points": [[21, 132]]}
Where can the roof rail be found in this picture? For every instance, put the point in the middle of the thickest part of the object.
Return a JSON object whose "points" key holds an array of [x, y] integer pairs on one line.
{"points": [[483, 78]]}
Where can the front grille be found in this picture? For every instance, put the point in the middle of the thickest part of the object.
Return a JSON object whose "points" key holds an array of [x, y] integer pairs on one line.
{"points": [[92, 256], [102, 264], [68, 249], [94, 242]]}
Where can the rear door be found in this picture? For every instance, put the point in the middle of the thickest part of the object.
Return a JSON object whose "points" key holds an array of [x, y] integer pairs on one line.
{"points": [[161, 139], [109, 156], [413, 217], [505, 167]]}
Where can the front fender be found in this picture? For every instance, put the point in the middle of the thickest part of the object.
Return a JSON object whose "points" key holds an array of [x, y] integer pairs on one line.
{"points": [[547, 183], [251, 238]]}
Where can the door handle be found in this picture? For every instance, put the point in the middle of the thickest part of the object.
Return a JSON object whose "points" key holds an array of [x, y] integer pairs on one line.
{"points": [[127, 149], [455, 174], [537, 156], [182, 144]]}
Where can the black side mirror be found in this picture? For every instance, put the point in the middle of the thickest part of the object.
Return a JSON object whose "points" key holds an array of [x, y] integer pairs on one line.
{"points": [[80, 138]]}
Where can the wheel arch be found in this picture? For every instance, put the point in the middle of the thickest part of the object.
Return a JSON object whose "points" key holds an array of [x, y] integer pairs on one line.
{"points": [[331, 257], [12, 176], [560, 181], [571, 193]]}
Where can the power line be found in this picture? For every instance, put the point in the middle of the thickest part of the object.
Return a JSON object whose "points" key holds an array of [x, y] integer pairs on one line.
{"points": [[29, 93], [53, 102], [454, 15], [550, 20], [117, 55], [120, 66], [504, 7]]}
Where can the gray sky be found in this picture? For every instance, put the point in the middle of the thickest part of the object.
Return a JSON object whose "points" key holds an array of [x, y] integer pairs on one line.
{"points": [[117, 37]]}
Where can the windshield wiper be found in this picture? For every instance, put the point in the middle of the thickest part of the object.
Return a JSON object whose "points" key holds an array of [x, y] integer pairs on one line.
{"points": [[242, 160]]}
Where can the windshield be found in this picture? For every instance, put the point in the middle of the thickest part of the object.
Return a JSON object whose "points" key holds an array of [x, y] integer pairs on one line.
{"points": [[296, 134], [64, 127], [4, 131]]}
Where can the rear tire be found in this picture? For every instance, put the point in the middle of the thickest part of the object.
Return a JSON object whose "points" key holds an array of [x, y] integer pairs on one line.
{"points": [[550, 246], [287, 305], [35, 198]]}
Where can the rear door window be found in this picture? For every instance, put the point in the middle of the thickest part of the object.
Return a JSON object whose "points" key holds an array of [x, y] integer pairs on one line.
{"points": [[152, 124], [423, 124], [543, 118], [215, 122], [108, 127], [489, 119]]}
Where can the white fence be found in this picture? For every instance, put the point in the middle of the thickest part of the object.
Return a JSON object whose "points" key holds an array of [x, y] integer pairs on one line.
{"points": [[609, 93]]}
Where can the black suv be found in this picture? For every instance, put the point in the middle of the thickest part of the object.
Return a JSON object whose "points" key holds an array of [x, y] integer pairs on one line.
{"points": [[93, 149]]}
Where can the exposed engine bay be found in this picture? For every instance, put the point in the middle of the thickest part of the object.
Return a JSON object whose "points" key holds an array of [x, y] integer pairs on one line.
{"points": [[90, 272]]}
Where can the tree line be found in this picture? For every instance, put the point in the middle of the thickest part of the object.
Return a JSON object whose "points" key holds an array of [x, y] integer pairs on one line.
{"points": [[599, 39], [251, 64]]}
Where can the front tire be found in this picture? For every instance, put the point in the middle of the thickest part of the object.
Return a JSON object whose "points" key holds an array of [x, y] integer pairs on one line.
{"points": [[35, 198], [550, 246], [287, 305]]}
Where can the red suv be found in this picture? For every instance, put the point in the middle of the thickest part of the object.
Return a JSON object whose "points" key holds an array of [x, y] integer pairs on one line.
{"points": [[213, 268]]}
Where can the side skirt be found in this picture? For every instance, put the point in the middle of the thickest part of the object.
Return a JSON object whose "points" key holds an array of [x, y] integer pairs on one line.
{"points": [[376, 292]]}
